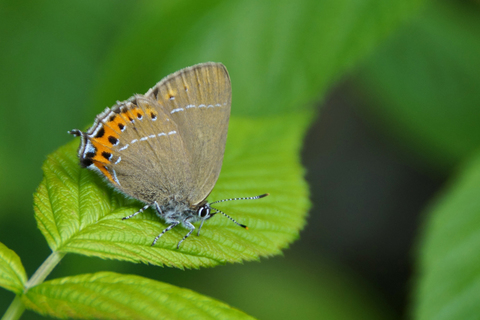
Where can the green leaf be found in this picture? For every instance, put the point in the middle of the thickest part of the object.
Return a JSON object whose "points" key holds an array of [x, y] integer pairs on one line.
{"points": [[449, 256], [425, 84], [77, 212], [12, 273], [108, 295], [281, 55]]}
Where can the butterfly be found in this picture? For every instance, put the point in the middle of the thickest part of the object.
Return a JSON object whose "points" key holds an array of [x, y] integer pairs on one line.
{"points": [[165, 148]]}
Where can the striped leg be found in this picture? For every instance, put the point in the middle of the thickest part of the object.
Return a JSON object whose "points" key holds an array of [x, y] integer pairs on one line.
{"points": [[189, 226], [139, 211], [170, 227]]}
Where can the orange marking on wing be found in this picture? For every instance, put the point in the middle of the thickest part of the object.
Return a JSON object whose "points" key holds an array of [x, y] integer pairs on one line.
{"points": [[99, 155], [151, 112], [105, 172], [108, 133], [128, 116], [116, 123], [136, 112]]}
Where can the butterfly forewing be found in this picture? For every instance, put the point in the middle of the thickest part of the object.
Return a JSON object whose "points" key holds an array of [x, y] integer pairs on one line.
{"points": [[148, 153], [166, 144], [198, 100]]}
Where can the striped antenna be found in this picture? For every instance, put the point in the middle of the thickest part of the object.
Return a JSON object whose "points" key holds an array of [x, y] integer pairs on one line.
{"points": [[234, 199], [226, 215]]}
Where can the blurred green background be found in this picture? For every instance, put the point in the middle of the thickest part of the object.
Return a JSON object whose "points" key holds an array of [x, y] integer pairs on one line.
{"points": [[397, 86]]}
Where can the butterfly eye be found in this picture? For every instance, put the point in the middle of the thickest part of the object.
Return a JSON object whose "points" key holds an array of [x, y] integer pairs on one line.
{"points": [[203, 212]]}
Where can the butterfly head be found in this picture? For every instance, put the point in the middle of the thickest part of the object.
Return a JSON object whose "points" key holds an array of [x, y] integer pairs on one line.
{"points": [[205, 211]]}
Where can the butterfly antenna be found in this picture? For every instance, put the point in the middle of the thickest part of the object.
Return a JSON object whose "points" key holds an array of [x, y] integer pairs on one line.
{"points": [[226, 215], [245, 198], [76, 132]]}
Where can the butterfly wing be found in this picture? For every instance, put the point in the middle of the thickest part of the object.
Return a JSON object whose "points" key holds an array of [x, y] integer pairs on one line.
{"points": [[166, 143], [198, 100], [138, 149]]}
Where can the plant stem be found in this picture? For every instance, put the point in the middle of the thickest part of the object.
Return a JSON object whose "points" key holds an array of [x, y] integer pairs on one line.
{"points": [[16, 308], [44, 270]]}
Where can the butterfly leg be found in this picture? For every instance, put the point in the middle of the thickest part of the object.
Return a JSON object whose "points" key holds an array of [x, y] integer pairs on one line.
{"points": [[170, 227], [187, 225], [139, 211]]}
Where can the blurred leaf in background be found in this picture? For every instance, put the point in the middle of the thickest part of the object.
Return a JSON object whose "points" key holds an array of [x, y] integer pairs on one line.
{"points": [[424, 84], [282, 56], [424, 89], [448, 257]]}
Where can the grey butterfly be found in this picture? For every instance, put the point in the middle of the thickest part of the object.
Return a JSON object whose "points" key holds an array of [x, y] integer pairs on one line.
{"points": [[165, 148]]}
